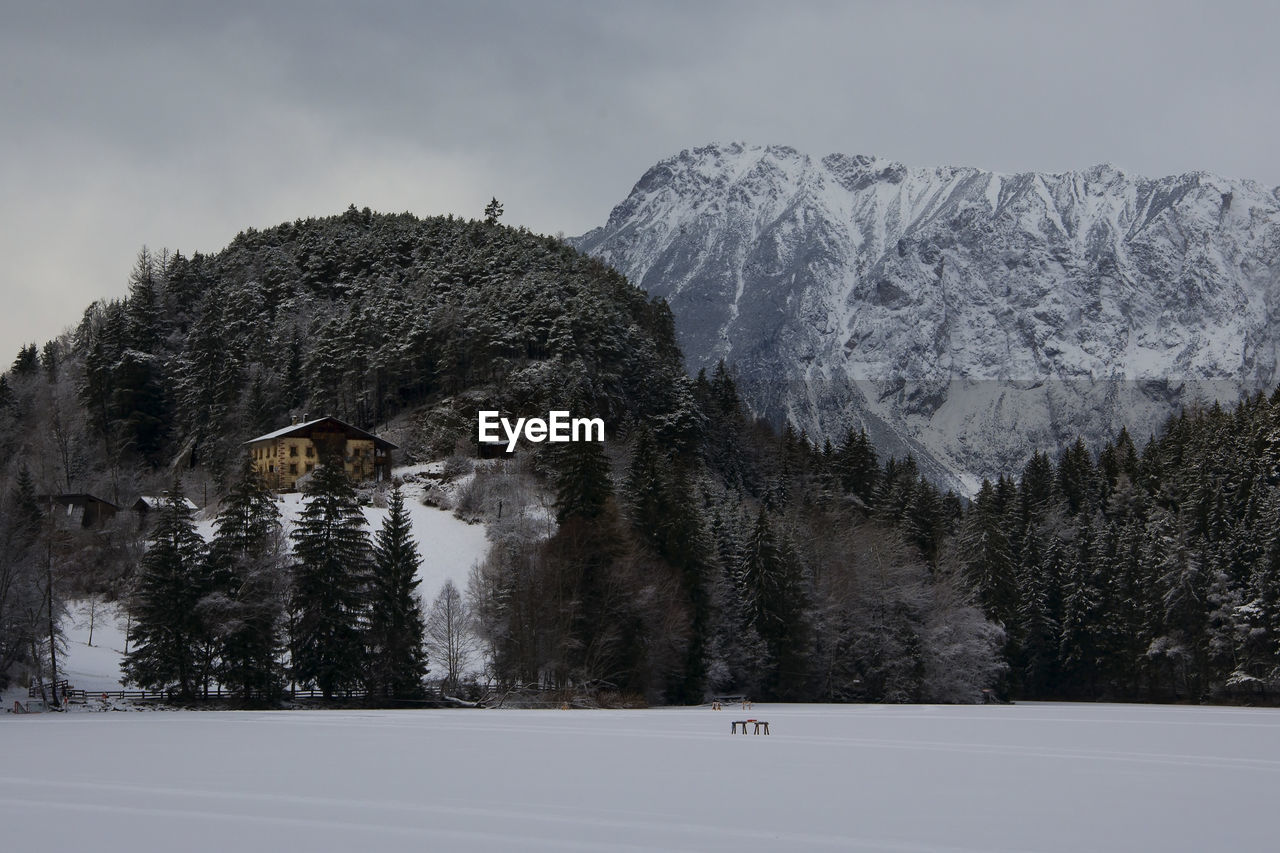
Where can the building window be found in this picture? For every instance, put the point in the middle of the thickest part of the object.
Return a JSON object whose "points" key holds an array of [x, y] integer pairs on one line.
{"points": [[271, 469], [293, 450], [311, 451], [311, 466]]}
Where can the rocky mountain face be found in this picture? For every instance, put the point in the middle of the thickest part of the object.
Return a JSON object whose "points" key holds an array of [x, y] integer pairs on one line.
{"points": [[968, 317]]}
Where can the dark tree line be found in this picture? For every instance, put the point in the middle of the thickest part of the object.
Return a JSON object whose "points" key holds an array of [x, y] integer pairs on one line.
{"points": [[723, 557], [1149, 573], [344, 606]]}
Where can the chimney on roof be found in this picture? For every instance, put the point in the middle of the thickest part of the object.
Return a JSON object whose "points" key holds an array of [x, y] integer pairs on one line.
{"points": [[295, 420]]}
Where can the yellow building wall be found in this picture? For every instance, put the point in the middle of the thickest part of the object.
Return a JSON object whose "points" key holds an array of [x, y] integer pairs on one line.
{"points": [[281, 462]]}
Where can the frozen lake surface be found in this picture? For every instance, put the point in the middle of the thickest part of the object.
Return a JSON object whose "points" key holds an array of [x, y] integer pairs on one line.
{"points": [[899, 778]]}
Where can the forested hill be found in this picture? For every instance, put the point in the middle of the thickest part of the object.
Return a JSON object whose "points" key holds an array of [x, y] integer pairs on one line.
{"points": [[361, 316], [696, 551]]}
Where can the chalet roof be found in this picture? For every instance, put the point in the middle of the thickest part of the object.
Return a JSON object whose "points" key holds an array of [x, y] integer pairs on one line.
{"points": [[150, 502], [304, 430], [75, 499]]}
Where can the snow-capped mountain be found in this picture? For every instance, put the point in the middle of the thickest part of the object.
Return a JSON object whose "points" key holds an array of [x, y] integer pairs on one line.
{"points": [[967, 316]]}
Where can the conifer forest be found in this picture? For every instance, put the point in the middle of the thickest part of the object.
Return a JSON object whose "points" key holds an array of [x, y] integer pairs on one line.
{"points": [[698, 551]]}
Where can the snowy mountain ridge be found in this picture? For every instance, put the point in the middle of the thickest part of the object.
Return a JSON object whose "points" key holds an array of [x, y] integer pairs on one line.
{"points": [[966, 316]]}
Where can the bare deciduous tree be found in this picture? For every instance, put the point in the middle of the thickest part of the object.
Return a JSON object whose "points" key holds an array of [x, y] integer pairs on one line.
{"points": [[450, 640]]}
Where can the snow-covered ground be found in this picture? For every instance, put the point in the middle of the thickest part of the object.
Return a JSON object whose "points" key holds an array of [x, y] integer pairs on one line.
{"points": [[95, 667], [900, 778], [448, 545]]}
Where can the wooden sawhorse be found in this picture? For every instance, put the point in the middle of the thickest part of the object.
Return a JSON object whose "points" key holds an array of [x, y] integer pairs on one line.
{"points": [[733, 727]]}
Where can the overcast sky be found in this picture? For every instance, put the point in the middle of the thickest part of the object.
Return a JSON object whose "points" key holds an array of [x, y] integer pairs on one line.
{"points": [[138, 124]]}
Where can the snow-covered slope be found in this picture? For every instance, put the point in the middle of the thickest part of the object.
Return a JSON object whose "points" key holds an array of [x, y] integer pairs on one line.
{"points": [[93, 667], [968, 316], [449, 547]]}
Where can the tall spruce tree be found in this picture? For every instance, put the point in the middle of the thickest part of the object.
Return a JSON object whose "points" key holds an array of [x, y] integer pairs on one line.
{"points": [[582, 481], [332, 560], [988, 562], [771, 582], [27, 362], [690, 548], [1082, 603], [168, 634], [396, 630], [665, 516], [28, 603], [144, 304], [857, 465], [245, 607]]}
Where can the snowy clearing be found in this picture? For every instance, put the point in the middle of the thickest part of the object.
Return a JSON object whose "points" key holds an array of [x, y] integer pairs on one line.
{"points": [[95, 667], [449, 546], [901, 778]]}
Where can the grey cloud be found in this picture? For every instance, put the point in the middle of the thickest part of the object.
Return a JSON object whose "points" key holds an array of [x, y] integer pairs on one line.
{"points": [[180, 124]]}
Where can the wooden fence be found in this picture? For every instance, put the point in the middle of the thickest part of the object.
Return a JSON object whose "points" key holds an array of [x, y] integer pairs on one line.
{"points": [[68, 693]]}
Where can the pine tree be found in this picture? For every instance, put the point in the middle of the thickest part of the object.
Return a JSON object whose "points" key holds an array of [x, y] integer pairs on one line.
{"points": [[1260, 650], [1036, 490], [330, 583], [209, 374], [167, 633], [95, 390], [138, 403], [50, 360], [987, 558], [647, 486], [492, 212], [1039, 612], [1183, 585], [396, 631], [1082, 609], [688, 546], [245, 607], [859, 469], [581, 479], [145, 325], [28, 602], [923, 523], [770, 580], [27, 362], [27, 517], [1076, 478]]}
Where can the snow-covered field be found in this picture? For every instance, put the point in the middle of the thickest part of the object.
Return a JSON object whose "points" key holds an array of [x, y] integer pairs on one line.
{"points": [[900, 778]]}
